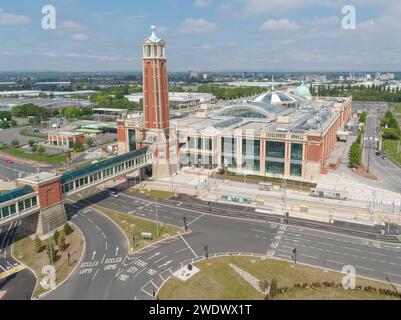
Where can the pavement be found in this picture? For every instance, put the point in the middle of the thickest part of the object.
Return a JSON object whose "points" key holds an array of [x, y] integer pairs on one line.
{"points": [[108, 273]]}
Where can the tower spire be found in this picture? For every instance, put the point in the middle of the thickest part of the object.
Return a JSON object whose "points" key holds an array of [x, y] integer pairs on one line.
{"points": [[273, 84]]}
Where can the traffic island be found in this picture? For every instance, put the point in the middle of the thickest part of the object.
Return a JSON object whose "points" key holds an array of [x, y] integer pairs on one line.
{"points": [[281, 279], [159, 194], [140, 232], [62, 250]]}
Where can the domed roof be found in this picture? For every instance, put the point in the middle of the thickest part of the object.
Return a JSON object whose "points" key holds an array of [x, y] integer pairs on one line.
{"points": [[302, 90], [154, 38]]}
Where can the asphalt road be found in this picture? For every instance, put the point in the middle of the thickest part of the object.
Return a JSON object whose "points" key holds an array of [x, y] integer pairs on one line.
{"points": [[108, 274], [388, 172], [13, 171], [19, 285]]}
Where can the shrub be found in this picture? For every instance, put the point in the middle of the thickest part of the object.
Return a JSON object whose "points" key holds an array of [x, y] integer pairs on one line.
{"points": [[67, 229], [37, 244], [51, 252], [273, 288], [61, 242], [56, 237]]}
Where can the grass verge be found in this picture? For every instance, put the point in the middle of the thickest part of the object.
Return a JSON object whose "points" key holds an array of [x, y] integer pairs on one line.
{"points": [[391, 149], [29, 133], [164, 195], [229, 285], [54, 159], [132, 225], [23, 250]]}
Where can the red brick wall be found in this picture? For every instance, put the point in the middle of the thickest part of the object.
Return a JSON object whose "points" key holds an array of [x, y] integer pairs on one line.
{"points": [[121, 132], [53, 192]]}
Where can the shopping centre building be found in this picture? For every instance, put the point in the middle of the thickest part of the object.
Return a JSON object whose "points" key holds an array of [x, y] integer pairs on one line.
{"points": [[285, 134]]}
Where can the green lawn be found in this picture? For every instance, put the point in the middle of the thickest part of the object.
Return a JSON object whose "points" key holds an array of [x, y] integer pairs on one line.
{"points": [[229, 285], [135, 225], [390, 147], [29, 133], [54, 159]]}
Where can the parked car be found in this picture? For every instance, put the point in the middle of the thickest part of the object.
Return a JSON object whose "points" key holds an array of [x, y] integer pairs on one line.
{"points": [[378, 153], [9, 161], [384, 157]]}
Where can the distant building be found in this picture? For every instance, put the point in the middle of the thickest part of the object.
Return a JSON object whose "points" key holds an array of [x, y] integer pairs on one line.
{"points": [[180, 98], [193, 75], [64, 139]]}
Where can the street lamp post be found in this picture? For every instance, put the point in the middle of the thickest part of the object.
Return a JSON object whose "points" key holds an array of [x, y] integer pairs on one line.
{"points": [[157, 220]]}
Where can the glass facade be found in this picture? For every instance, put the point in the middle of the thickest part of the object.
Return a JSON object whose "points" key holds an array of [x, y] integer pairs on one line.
{"points": [[275, 149], [228, 145], [251, 147], [274, 167], [296, 151], [296, 170], [229, 162], [251, 164], [131, 140]]}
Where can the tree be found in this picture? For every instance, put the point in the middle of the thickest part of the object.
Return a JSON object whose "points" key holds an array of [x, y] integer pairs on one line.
{"points": [[273, 288], [77, 146], [37, 244], [51, 252], [31, 142], [41, 149], [56, 237], [43, 95], [67, 229], [354, 155], [90, 142], [34, 148], [61, 242], [15, 143]]}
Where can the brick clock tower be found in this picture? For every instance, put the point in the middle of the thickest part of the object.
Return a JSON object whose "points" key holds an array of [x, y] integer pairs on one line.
{"points": [[156, 104]]}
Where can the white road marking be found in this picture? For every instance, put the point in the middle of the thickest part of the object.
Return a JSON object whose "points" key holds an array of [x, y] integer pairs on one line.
{"points": [[352, 249], [196, 219], [189, 246], [393, 274], [93, 255], [105, 245], [97, 227], [117, 251], [379, 254], [155, 255], [181, 250], [256, 230], [334, 261], [158, 260], [95, 274], [365, 268], [90, 220], [165, 264], [104, 236], [305, 255]]}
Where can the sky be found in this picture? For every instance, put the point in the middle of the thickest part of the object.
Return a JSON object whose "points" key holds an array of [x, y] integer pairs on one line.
{"points": [[202, 35]]}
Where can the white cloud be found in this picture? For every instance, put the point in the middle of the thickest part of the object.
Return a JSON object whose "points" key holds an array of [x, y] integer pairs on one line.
{"points": [[90, 56], [202, 3], [50, 55], [206, 47], [12, 19], [279, 25], [77, 31], [197, 26], [80, 36]]}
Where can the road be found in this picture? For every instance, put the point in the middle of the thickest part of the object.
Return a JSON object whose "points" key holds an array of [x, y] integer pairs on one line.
{"points": [[20, 282], [108, 274], [388, 173], [13, 171]]}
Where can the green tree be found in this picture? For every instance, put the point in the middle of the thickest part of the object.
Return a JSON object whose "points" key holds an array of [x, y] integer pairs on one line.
{"points": [[15, 143], [56, 237], [90, 142], [34, 148], [43, 95], [77, 146], [273, 288], [41, 149], [61, 242], [31, 142], [354, 156], [37, 244], [51, 252], [67, 229]]}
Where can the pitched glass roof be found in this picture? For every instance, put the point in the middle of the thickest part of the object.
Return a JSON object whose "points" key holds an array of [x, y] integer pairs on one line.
{"points": [[16, 193], [68, 176]]}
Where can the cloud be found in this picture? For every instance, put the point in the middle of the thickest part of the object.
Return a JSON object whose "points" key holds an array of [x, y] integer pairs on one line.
{"points": [[90, 56], [50, 55], [203, 3], [80, 36], [206, 47], [279, 25], [75, 29], [12, 19], [197, 26]]}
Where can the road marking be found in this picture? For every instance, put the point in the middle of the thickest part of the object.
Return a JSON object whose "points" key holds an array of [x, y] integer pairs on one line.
{"points": [[379, 254], [160, 259], [104, 236], [95, 274], [93, 255], [196, 219], [181, 250], [155, 255], [256, 230], [285, 256], [167, 217], [104, 256], [105, 245], [165, 264], [334, 261], [90, 220], [117, 251], [352, 249], [287, 251], [189, 246], [97, 227], [305, 255]]}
